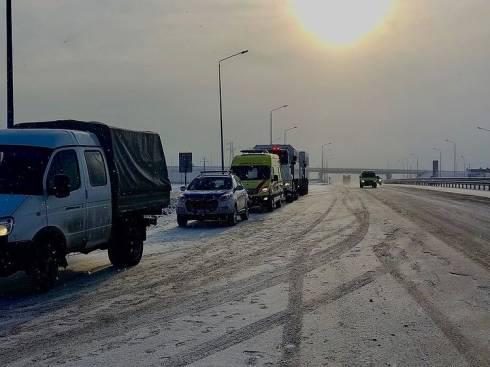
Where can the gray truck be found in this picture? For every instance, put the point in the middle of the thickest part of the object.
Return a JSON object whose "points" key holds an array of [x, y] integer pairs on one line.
{"points": [[71, 186], [294, 169]]}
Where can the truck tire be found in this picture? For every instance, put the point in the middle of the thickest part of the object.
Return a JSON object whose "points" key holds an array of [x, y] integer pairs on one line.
{"points": [[126, 253], [375, 185], [270, 204], [43, 269], [181, 220], [361, 186]]}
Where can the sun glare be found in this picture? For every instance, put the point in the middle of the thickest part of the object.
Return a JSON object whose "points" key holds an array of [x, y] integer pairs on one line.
{"points": [[341, 22]]}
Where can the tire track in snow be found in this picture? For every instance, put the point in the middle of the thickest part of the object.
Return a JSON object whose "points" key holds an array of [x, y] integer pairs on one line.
{"points": [[261, 326]]}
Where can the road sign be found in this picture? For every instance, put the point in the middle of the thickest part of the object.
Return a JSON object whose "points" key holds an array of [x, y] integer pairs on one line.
{"points": [[185, 162]]}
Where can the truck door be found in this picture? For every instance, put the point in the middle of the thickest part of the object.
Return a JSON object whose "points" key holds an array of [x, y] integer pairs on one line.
{"points": [[98, 208], [68, 213]]}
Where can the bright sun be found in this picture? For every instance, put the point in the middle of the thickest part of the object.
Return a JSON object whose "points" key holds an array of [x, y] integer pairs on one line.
{"points": [[341, 22]]}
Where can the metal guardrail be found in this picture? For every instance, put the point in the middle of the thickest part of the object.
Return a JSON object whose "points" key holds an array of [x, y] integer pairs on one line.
{"points": [[473, 183]]}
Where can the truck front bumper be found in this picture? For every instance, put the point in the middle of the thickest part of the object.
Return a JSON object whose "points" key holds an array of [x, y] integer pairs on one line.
{"points": [[14, 256]]}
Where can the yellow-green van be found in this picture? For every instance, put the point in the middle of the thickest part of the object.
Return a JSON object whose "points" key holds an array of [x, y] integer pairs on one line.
{"points": [[260, 173]]}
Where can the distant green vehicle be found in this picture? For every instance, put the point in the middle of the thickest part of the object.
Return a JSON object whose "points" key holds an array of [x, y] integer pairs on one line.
{"points": [[369, 178]]}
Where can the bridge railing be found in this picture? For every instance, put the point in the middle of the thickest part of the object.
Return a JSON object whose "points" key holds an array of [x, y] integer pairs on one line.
{"points": [[473, 183]]}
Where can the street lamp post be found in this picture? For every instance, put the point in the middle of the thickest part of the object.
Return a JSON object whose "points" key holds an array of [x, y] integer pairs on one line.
{"points": [[440, 160], [323, 156], [464, 164], [454, 156], [275, 109], [286, 133], [221, 105], [417, 158], [10, 68], [482, 128]]}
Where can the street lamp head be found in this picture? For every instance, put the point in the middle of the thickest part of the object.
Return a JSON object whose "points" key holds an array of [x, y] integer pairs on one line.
{"points": [[285, 106], [244, 52]]}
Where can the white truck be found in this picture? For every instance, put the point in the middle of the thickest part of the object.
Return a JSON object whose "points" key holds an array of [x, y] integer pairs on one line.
{"points": [[71, 186]]}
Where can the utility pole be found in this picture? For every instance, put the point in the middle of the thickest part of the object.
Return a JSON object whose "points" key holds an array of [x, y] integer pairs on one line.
{"points": [[231, 148], [270, 118], [10, 68], [221, 105], [440, 160], [454, 156], [203, 164]]}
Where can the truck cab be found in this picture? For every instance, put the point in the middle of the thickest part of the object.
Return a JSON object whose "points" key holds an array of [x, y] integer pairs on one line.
{"points": [[57, 196], [261, 176]]}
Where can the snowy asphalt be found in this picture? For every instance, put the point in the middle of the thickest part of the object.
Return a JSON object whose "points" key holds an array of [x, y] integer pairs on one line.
{"points": [[394, 276]]}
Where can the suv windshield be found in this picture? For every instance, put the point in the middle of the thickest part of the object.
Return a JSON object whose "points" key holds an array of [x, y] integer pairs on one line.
{"points": [[211, 183], [22, 169], [252, 172]]}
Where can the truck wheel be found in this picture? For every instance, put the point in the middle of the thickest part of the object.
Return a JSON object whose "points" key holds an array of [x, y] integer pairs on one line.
{"points": [[279, 203], [375, 185], [245, 214], [270, 204], [44, 268], [126, 253], [361, 186], [182, 220]]}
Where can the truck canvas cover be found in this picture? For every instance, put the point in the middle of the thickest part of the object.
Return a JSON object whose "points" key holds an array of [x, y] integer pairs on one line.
{"points": [[136, 161]]}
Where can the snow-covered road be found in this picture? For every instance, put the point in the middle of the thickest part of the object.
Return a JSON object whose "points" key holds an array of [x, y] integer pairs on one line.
{"points": [[393, 276]]}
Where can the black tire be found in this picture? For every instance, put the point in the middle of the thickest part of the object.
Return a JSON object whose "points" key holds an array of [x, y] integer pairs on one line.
{"points": [[270, 204], [181, 220], [44, 267], [232, 219], [125, 253], [375, 185], [361, 186], [245, 214]]}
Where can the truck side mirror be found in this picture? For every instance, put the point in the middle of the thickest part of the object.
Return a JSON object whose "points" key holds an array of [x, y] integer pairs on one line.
{"points": [[276, 178], [61, 188]]}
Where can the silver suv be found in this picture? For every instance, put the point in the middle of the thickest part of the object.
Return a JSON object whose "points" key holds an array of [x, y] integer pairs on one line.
{"points": [[213, 196]]}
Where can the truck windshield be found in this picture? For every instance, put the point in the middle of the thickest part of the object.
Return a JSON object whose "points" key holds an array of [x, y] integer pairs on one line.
{"points": [[252, 172], [22, 169], [211, 183]]}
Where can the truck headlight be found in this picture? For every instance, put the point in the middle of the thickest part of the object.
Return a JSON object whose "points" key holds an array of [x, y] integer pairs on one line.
{"points": [[265, 189], [6, 226], [286, 184]]}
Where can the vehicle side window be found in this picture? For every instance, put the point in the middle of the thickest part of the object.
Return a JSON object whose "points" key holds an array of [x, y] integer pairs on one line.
{"points": [[96, 168], [65, 163]]}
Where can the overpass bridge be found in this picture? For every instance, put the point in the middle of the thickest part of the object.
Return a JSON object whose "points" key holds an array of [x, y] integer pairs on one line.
{"points": [[316, 173]]}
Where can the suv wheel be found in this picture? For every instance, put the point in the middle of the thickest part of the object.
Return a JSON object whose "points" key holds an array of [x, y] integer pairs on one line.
{"points": [[44, 268], [245, 214], [232, 220], [182, 220]]}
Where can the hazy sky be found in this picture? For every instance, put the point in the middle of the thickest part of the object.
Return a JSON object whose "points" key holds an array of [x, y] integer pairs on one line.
{"points": [[421, 77]]}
